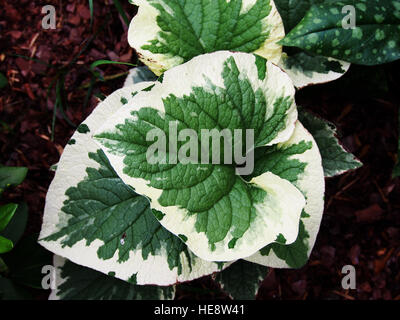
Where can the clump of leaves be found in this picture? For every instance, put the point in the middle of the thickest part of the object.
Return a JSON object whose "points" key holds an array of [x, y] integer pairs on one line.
{"points": [[110, 209], [21, 259]]}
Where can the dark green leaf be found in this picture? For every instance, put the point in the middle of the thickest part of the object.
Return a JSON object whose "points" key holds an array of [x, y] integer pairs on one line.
{"points": [[295, 254], [292, 11], [11, 291], [242, 279], [11, 176], [5, 245], [17, 225], [26, 262], [335, 159], [374, 40], [6, 213]]}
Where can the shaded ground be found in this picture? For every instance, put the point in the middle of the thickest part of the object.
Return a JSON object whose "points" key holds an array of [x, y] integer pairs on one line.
{"points": [[361, 225]]}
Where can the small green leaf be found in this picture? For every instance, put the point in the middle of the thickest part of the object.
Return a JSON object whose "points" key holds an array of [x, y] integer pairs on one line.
{"points": [[16, 227], [375, 38], [3, 81], [242, 279], [5, 245], [80, 283], [11, 176], [335, 159], [6, 213]]}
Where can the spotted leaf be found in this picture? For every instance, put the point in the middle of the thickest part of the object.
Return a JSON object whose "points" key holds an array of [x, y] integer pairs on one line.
{"points": [[370, 35]]}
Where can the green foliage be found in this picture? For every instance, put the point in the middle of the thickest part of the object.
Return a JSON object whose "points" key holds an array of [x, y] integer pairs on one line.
{"points": [[293, 11], [242, 279], [99, 205], [5, 245], [16, 227], [278, 161], [335, 159], [195, 27], [25, 262], [6, 213], [308, 63], [21, 260], [103, 207], [222, 108], [374, 40], [11, 177], [295, 254]]}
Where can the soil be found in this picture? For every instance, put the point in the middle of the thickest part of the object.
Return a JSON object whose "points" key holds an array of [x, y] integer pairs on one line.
{"points": [[361, 223]]}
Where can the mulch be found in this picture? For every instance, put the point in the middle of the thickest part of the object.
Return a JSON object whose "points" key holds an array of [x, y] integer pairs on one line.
{"points": [[361, 224]]}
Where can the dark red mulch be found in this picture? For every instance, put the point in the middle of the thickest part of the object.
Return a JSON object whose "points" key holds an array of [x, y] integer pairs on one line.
{"points": [[361, 225]]}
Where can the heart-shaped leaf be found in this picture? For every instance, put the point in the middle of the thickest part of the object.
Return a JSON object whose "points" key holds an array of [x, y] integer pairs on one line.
{"points": [[221, 216], [168, 33], [95, 220]]}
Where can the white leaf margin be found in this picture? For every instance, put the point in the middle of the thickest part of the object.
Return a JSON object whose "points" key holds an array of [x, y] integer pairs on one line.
{"points": [[180, 81], [301, 79], [312, 185], [58, 264], [70, 171], [144, 28]]}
